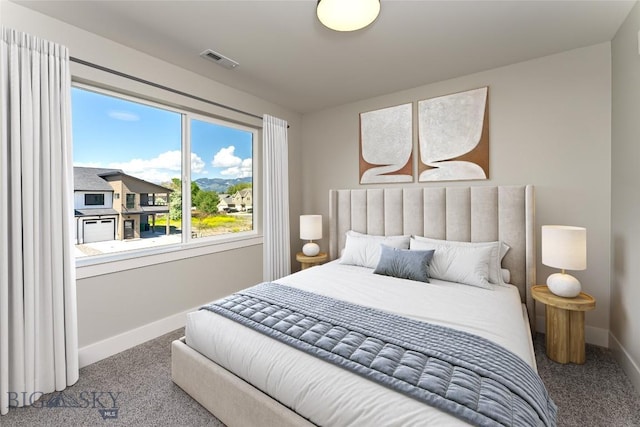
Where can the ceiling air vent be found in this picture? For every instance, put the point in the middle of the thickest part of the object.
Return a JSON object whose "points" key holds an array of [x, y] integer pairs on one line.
{"points": [[219, 59]]}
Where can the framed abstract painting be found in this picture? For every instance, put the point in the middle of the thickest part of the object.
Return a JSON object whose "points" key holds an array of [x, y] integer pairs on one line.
{"points": [[453, 137], [386, 145]]}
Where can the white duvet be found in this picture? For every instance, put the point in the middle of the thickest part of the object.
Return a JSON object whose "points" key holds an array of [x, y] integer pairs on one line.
{"points": [[331, 396]]}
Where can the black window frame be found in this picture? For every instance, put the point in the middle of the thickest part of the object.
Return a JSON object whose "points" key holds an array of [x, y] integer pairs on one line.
{"points": [[98, 196], [133, 201]]}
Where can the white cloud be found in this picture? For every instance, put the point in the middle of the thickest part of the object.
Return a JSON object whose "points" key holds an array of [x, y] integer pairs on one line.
{"points": [[154, 175], [170, 160], [124, 116], [225, 158], [197, 164], [241, 171], [161, 168], [234, 166]]}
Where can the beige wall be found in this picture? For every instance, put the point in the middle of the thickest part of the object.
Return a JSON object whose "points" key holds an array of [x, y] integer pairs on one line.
{"points": [[625, 196], [113, 304], [119, 302], [549, 126]]}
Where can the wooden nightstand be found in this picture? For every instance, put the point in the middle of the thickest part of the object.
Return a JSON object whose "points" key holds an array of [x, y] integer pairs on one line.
{"points": [[564, 324], [310, 261]]}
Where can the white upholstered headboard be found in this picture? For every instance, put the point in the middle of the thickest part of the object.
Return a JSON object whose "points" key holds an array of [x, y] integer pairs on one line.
{"points": [[472, 214]]}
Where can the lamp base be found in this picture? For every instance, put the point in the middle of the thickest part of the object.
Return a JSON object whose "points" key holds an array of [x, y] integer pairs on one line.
{"points": [[563, 285], [311, 249]]}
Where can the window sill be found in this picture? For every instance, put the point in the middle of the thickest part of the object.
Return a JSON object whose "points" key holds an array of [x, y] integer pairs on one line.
{"points": [[100, 265]]}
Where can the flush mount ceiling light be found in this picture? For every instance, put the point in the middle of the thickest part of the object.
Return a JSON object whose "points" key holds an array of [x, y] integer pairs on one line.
{"points": [[347, 15]]}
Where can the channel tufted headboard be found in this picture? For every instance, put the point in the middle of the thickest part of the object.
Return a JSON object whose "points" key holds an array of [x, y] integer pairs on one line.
{"points": [[471, 214]]}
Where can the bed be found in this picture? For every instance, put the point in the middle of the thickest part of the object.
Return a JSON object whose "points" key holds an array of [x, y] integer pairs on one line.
{"points": [[247, 378]]}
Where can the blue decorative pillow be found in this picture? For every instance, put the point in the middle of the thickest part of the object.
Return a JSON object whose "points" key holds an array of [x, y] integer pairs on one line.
{"points": [[404, 263]]}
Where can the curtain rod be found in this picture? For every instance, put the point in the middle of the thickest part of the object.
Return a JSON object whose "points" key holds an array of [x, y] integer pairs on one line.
{"points": [[159, 86]]}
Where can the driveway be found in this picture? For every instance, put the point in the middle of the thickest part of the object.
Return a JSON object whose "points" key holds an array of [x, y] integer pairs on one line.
{"points": [[148, 240]]}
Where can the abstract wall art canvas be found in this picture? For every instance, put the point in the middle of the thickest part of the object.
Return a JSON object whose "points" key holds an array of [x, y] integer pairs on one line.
{"points": [[453, 137], [386, 145]]}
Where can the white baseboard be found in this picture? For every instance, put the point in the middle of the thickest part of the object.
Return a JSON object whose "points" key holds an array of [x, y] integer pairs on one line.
{"points": [[102, 349], [625, 360], [592, 335]]}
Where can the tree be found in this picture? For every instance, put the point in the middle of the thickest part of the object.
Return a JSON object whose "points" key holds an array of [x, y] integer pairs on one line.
{"points": [[175, 184], [233, 189], [208, 202], [175, 199], [195, 199], [195, 189]]}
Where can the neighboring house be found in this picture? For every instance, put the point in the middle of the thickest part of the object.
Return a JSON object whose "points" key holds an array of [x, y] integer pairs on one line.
{"points": [[225, 202], [244, 199], [111, 205], [241, 201]]}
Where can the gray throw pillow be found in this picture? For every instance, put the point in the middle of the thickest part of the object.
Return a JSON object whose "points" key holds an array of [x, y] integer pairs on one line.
{"points": [[404, 263]]}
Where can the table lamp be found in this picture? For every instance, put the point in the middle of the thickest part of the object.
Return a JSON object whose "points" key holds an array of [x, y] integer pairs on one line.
{"points": [[564, 247], [311, 229]]}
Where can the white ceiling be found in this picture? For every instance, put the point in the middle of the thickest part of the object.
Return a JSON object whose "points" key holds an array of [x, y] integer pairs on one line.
{"points": [[287, 57]]}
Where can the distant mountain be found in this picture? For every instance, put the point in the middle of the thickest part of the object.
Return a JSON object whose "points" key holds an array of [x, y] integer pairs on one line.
{"points": [[219, 185]]}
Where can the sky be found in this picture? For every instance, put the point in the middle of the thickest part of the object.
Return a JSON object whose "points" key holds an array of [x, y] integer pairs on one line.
{"points": [[145, 141]]}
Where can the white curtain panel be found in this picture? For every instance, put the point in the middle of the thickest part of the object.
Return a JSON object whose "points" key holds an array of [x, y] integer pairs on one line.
{"points": [[277, 261], [38, 331]]}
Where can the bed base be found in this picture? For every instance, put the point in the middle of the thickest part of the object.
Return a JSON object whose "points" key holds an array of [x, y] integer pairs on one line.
{"points": [[233, 401]]}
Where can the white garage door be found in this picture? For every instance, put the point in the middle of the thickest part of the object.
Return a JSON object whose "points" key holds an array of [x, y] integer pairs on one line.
{"points": [[99, 230]]}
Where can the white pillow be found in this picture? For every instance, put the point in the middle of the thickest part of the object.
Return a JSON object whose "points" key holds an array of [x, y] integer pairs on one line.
{"points": [[498, 251], [506, 276], [460, 264], [364, 249]]}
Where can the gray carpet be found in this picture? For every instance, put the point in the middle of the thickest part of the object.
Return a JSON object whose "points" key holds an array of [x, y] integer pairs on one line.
{"points": [[597, 393], [594, 394]]}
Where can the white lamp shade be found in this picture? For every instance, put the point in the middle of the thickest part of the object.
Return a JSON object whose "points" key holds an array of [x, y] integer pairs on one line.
{"points": [[564, 247], [310, 227], [347, 15]]}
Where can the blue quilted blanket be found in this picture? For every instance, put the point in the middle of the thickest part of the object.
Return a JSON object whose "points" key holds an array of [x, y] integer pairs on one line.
{"points": [[460, 373]]}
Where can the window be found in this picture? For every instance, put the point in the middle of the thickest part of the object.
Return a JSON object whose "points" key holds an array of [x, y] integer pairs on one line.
{"points": [[130, 146], [131, 201], [93, 199], [221, 205]]}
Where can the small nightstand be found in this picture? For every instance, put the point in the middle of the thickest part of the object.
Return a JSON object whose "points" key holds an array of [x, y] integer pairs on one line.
{"points": [[310, 261], [564, 324]]}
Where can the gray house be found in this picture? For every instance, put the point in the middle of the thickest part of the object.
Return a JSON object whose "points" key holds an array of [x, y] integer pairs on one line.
{"points": [[111, 205]]}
